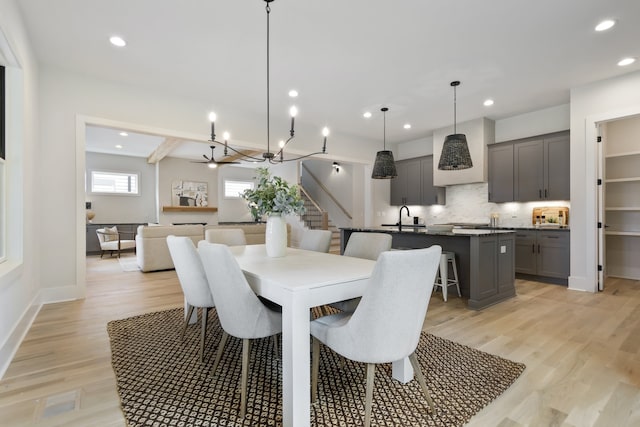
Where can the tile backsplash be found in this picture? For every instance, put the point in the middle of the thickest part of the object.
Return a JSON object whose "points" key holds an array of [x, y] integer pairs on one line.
{"points": [[467, 203]]}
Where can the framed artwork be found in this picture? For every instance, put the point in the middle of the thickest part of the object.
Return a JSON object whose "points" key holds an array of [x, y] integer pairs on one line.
{"points": [[189, 193]]}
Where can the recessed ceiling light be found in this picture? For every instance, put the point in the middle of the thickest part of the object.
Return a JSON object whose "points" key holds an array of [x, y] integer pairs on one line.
{"points": [[605, 25], [488, 103], [407, 126], [124, 134], [118, 146], [293, 93], [367, 115], [626, 61], [118, 41]]}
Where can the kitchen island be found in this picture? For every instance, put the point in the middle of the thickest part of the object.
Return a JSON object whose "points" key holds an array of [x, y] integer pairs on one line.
{"points": [[485, 257]]}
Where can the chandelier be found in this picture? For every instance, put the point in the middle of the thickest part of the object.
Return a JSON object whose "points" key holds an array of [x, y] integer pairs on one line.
{"points": [[270, 156]]}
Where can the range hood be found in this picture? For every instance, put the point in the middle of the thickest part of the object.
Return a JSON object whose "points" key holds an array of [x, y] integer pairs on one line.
{"points": [[480, 133]]}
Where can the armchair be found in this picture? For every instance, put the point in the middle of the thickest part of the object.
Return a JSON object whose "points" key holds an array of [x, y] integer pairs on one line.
{"points": [[111, 240]]}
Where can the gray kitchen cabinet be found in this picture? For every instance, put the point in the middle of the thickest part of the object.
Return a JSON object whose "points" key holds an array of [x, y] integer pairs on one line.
{"points": [[500, 158], [553, 254], [543, 253], [526, 259], [431, 195], [406, 188], [556, 151], [541, 168]]}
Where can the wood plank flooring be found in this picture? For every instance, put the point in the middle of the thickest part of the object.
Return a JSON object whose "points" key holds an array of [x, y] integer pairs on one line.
{"points": [[582, 352]]}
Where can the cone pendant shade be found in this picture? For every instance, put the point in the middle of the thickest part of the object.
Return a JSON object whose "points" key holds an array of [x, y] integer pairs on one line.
{"points": [[384, 167], [455, 153]]}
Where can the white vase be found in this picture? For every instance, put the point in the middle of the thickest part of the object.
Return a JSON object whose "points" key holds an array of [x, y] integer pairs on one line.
{"points": [[276, 236]]}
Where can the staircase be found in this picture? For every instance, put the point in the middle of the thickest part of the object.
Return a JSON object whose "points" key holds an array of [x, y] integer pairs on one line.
{"points": [[317, 219]]}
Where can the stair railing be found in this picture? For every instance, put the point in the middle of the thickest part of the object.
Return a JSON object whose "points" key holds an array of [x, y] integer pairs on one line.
{"points": [[324, 220], [326, 190]]}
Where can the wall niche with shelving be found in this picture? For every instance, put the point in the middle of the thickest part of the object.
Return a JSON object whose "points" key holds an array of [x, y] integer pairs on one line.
{"points": [[622, 197]]}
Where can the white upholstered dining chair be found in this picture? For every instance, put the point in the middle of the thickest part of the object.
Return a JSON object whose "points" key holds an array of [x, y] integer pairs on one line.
{"points": [[367, 246], [316, 240], [193, 282], [241, 313], [387, 322], [226, 236]]}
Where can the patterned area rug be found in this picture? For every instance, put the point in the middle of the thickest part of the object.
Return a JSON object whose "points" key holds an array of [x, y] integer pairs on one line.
{"points": [[162, 383]]}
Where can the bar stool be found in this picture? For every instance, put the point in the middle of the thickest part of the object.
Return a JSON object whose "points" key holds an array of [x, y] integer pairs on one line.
{"points": [[442, 277]]}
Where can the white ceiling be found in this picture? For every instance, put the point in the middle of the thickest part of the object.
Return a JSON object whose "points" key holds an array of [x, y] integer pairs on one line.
{"points": [[344, 57]]}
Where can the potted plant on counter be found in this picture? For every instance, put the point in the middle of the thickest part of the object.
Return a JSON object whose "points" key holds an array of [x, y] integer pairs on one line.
{"points": [[274, 197]]}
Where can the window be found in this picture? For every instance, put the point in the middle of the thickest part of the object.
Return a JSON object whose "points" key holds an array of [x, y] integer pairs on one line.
{"points": [[233, 189], [114, 182]]}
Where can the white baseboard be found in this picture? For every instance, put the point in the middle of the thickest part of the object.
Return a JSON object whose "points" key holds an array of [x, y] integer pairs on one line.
{"points": [[60, 294], [580, 283], [10, 346]]}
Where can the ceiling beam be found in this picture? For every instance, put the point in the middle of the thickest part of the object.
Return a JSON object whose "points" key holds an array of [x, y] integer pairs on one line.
{"points": [[237, 156], [163, 150]]}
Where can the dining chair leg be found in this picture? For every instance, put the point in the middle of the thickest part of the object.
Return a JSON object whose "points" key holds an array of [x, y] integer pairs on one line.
{"points": [[371, 373], [315, 363], [423, 384], [246, 346], [186, 319], [203, 331], [221, 345]]}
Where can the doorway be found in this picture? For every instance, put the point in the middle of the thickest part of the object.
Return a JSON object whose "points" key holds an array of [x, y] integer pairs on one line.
{"points": [[619, 199]]}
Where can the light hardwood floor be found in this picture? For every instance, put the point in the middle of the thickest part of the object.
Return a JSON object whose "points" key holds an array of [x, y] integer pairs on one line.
{"points": [[582, 352]]}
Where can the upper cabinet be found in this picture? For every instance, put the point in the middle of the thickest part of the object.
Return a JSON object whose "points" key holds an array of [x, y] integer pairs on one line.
{"points": [[405, 188], [528, 170], [541, 168], [414, 183], [500, 173], [431, 195]]}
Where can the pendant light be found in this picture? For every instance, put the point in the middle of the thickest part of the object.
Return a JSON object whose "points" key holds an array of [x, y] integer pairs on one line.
{"points": [[384, 166], [455, 151]]}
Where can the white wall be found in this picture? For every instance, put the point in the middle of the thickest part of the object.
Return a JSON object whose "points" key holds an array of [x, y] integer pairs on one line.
{"points": [[116, 208], [596, 102], [20, 275], [540, 122], [233, 210], [171, 169], [339, 184]]}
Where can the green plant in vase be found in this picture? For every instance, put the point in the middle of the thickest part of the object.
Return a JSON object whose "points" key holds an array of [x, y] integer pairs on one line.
{"points": [[273, 195]]}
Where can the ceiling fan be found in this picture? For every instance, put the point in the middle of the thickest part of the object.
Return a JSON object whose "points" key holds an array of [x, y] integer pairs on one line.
{"points": [[212, 163]]}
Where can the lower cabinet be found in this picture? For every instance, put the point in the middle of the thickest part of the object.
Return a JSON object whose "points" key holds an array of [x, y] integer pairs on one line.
{"points": [[543, 253]]}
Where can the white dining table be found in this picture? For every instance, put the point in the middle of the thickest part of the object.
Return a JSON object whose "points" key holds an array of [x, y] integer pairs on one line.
{"points": [[298, 281]]}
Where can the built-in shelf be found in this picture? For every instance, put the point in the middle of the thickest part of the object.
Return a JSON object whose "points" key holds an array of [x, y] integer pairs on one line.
{"points": [[630, 153], [623, 233], [622, 209], [630, 179], [188, 209]]}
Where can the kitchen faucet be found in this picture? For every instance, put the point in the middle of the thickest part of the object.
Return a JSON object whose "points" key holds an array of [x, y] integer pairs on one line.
{"points": [[400, 216]]}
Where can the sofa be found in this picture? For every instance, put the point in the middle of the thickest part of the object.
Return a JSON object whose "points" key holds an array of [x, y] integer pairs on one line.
{"points": [[152, 252]]}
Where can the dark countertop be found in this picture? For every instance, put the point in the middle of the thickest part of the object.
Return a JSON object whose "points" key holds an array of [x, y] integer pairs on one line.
{"points": [[411, 230], [533, 228]]}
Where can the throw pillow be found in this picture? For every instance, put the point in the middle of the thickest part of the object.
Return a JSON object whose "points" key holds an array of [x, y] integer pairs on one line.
{"points": [[111, 234]]}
